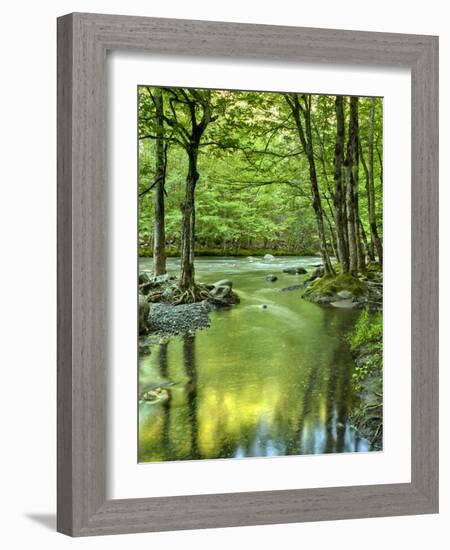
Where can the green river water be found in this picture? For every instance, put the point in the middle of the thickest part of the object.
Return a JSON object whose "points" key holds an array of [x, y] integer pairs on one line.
{"points": [[259, 381]]}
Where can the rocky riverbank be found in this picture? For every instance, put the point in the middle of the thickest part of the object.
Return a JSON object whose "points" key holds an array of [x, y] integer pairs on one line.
{"points": [[162, 313], [363, 291]]}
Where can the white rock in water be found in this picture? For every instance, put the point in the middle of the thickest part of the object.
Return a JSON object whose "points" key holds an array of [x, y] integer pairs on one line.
{"points": [[346, 304], [224, 282], [345, 294], [268, 257]]}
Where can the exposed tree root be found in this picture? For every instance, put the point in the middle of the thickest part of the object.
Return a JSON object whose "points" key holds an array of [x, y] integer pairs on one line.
{"points": [[194, 294]]}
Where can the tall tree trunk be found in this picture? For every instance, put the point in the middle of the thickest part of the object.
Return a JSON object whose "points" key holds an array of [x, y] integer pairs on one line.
{"points": [[361, 259], [159, 233], [339, 206], [368, 245], [371, 188], [187, 278], [350, 191], [307, 144], [190, 139]]}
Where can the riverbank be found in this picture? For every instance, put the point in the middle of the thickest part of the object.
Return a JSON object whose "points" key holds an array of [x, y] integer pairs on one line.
{"points": [[364, 290], [161, 298], [165, 310], [174, 252], [366, 343]]}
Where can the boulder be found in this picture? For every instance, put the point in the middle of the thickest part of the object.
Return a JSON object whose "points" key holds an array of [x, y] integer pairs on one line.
{"points": [[295, 270], [224, 282], [268, 257], [317, 273], [144, 310], [223, 296], [271, 278], [345, 295], [162, 278], [293, 287], [168, 293], [220, 291], [345, 304], [144, 278]]}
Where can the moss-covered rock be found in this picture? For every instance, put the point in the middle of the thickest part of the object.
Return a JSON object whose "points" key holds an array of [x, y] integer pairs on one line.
{"points": [[334, 290]]}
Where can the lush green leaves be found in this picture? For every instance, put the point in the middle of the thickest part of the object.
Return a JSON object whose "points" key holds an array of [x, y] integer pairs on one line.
{"points": [[253, 190]]}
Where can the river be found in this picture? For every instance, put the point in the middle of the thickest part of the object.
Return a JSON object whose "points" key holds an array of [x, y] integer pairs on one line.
{"points": [[260, 381]]}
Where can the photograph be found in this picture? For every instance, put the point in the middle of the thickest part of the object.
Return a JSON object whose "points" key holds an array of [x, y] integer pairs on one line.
{"points": [[260, 245]]}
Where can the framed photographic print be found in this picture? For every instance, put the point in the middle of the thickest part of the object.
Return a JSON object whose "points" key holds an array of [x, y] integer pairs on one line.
{"points": [[247, 274]]}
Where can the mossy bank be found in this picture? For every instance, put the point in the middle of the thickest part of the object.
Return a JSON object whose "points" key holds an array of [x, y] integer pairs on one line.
{"points": [[366, 342]]}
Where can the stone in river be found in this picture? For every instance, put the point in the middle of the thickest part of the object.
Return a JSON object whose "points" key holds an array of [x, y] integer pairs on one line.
{"points": [[268, 257], [345, 304], [293, 287], [345, 294], [224, 282], [295, 270], [271, 278]]}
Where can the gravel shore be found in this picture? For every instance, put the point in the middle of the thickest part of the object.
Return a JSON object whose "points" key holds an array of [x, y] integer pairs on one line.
{"points": [[170, 320]]}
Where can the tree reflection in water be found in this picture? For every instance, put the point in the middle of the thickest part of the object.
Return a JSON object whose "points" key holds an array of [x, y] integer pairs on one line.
{"points": [[280, 387]]}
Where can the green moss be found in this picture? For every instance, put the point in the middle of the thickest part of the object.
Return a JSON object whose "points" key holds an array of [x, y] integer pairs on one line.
{"points": [[332, 285], [373, 272], [368, 330]]}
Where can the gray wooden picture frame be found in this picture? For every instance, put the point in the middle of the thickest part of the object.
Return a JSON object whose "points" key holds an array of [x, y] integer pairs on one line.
{"points": [[83, 41]]}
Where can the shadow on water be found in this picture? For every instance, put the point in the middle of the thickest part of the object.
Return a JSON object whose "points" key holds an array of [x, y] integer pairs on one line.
{"points": [[259, 382]]}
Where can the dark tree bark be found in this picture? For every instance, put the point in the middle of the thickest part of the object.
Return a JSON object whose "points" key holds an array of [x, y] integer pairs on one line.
{"points": [[350, 189], [302, 116], [368, 245], [195, 100], [371, 188], [187, 278], [159, 234], [375, 243], [339, 191], [361, 258]]}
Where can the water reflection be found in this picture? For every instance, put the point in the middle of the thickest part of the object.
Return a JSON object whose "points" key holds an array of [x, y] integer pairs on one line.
{"points": [[191, 391], [258, 382]]}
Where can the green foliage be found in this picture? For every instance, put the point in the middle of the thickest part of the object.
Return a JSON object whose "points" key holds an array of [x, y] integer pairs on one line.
{"points": [[368, 330], [253, 191]]}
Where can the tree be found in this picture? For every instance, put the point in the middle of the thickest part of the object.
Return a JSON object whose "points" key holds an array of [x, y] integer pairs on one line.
{"points": [[159, 234], [370, 185], [339, 189], [352, 180], [279, 173], [301, 112], [189, 123]]}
